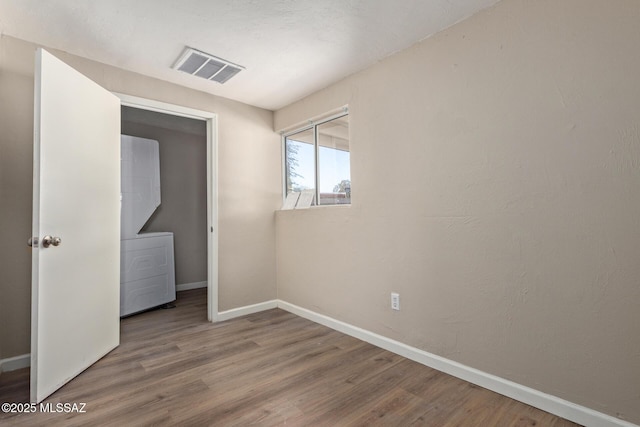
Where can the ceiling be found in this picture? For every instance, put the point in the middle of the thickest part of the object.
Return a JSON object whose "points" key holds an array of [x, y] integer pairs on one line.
{"points": [[290, 48]]}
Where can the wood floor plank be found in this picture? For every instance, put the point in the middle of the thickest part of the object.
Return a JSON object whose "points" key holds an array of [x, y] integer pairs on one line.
{"points": [[266, 369], [396, 408]]}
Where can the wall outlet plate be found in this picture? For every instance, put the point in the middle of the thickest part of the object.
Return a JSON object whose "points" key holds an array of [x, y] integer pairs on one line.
{"points": [[395, 301]]}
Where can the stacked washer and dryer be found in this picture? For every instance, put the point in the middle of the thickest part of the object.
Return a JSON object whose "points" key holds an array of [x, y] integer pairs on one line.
{"points": [[147, 271]]}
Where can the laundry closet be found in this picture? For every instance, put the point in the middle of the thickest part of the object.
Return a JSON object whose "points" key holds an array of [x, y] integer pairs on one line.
{"points": [[164, 206]]}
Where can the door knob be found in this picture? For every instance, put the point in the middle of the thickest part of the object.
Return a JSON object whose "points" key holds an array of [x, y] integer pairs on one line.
{"points": [[48, 241], [33, 241]]}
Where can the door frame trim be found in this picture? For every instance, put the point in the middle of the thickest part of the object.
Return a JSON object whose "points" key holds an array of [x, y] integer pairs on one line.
{"points": [[212, 183]]}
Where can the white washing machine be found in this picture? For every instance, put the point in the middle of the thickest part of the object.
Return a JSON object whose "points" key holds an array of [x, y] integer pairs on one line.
{"points": [[147, 268]]}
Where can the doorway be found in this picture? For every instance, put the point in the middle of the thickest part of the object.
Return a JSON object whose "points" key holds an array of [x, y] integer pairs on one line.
{"points": [[76, 221], [142, 110]]}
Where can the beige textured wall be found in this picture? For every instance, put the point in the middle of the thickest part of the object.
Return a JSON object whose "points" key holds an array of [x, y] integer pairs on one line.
{"points": [[16, 168], [183, 186], [249, 185], [496, 187]]}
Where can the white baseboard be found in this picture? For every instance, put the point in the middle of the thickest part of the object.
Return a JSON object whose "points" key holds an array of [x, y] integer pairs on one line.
{"points": [[249, 309], [188, 286], [13, 363], [546, 402]]}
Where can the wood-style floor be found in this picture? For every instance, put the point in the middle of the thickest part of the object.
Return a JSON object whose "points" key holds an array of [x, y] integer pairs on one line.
{"points": [[266, 369]]}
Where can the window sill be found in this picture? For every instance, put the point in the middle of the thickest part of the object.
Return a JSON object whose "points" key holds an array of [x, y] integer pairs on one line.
{"points": [[313, 208]]}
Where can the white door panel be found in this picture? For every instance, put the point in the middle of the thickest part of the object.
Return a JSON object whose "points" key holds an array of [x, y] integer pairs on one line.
{"points": [[76, 196]]}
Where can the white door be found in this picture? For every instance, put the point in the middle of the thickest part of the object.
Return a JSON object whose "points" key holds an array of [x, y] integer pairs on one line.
{"points": [[76, 202]]}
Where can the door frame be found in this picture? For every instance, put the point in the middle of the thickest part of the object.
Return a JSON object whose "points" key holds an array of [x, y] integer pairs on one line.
{"points": [[212, 183]]}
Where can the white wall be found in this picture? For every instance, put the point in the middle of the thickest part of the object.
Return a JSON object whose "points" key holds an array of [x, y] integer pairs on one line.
{"points": [[496, 186]]}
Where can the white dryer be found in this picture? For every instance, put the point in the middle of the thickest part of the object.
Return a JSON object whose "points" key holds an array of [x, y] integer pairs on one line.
{"points": [[147, 269]]}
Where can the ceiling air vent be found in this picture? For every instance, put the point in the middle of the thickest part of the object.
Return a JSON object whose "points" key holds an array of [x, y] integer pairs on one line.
{"points": [[206, 66]]}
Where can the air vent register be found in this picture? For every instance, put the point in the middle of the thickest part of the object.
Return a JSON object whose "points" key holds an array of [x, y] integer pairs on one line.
{"points": [[207, 66]]}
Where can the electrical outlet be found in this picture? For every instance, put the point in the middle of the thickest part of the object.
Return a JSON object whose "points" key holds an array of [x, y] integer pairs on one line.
{"points": [[395, 301]]}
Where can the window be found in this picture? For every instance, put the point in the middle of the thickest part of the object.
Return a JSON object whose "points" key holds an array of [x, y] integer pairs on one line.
{"points": [[317, 158]]}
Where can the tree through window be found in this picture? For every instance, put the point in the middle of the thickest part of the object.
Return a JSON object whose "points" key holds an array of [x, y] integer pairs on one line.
{"points": [[318, 158]]}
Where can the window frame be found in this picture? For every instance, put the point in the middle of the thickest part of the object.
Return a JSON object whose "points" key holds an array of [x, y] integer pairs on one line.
{"points": [[312, 124]]}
